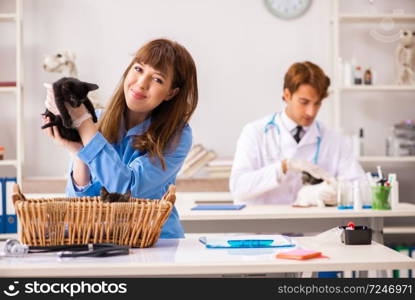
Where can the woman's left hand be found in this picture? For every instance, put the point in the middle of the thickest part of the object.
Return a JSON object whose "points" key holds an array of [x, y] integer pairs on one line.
{"points": [[53, 132], [77, 113]]}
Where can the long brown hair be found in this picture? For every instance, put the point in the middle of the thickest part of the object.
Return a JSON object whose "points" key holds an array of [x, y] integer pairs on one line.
{"points": [[307, 73], [167, 119]]}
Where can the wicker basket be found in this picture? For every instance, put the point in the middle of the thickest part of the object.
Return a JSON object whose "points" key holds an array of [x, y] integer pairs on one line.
{"points": [[68, 221]]}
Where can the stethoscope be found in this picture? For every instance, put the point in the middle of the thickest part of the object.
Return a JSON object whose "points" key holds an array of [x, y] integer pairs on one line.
{"points": [[13, 247], [273, 124]]}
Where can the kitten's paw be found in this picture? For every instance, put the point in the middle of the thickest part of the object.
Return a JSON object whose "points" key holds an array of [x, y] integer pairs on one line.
{"points": [[46, 125]]}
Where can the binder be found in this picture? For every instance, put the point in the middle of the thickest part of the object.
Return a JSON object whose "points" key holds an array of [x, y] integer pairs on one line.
{"points": [[412, 254], [10, 213], [2, 204]]}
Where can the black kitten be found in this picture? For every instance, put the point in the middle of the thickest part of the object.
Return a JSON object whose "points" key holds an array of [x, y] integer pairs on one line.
{"points": [[114, 197], [70, 90], [310, 180]]}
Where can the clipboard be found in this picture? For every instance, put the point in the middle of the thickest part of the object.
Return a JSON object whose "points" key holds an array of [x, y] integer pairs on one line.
{"points": [[246, 241]]}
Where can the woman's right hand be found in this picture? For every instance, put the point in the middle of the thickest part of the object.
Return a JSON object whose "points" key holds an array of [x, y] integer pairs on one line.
{"points": [[50, 99], [53, 132]]}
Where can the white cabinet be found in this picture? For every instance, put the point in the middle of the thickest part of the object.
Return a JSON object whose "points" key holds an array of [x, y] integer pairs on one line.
{"points": [[380, 105], [15, 90]]}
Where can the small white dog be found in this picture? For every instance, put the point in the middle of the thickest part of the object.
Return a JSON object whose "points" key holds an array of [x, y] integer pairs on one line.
{"points": [[404, 57], [61, 62], [64, 62]]}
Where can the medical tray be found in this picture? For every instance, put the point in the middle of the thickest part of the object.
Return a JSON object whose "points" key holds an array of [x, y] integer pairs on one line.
{"points": [[83, 220]]}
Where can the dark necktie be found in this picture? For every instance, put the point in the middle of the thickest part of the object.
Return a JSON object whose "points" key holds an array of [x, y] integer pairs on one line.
{"points": [[297, 137]]}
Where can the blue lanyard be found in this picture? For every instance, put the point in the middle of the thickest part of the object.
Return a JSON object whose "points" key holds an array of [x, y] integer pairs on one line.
{"points": [[272, 123]]}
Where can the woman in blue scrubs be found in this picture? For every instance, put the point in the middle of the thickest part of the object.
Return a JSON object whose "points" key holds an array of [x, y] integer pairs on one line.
{"points": [[143, 136]]}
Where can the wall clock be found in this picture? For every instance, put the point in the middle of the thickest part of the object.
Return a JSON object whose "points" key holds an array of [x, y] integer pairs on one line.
{"points": [[287, 9]]}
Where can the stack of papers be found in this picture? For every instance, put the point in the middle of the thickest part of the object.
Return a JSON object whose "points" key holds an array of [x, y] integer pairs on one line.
{"points": [[246, 241]]}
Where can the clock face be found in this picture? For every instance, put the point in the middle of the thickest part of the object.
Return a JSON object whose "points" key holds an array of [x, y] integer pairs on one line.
{"points": [[287, 9]]}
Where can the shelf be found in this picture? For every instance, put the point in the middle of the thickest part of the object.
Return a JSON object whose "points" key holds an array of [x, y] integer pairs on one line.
{"points": [[8, 162], [387, 158], [399, 230], [376, 18], [6, 236], [7, 89], [377, 88], [7, 17], [14, 85]]}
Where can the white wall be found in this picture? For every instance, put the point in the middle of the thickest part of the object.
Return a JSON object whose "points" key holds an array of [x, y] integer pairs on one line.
{"points": [[241, 52], [372, 45]]}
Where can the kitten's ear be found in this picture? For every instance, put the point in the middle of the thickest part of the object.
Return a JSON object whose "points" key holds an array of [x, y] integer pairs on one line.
{"points": [[127, 196], [104, 192], [90, 86]]}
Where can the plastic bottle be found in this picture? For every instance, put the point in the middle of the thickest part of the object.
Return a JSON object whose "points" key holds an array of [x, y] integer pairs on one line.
{"points": [[394, 197], [1, 153], [347, 73], [358, 75], [357, 201]]}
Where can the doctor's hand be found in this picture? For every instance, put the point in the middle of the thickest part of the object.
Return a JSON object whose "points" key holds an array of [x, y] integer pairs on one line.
{"points": [[327, 193], [299, 165], [321, 195]]}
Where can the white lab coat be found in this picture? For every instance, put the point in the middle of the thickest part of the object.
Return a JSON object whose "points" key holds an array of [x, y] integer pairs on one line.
{"points": [[257, 176]]}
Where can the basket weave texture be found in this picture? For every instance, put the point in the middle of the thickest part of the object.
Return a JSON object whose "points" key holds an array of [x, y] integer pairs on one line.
{"points": [[83, 220]]}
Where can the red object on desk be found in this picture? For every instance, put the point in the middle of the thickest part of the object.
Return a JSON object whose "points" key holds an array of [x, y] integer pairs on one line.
{"points": [[300, 254], [350, 225]]}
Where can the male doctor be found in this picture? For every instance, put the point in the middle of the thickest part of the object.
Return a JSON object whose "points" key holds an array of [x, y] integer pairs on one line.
{"points": [[272, 152]]}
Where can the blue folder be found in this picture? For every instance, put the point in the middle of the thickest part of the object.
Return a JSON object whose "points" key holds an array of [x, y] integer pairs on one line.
{"points": [[9, 218], [219, 207], [2, 207]]}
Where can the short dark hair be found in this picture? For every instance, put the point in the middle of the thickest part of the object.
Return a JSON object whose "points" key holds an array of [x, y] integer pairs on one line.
{"points": [[307, 73]]}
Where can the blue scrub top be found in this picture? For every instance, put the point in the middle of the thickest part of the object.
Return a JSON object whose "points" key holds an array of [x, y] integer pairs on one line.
{"points": [[121, 168]]}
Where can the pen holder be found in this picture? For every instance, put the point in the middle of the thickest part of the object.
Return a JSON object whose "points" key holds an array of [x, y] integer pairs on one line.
{"points": [[360, 235], [380, 197]]}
